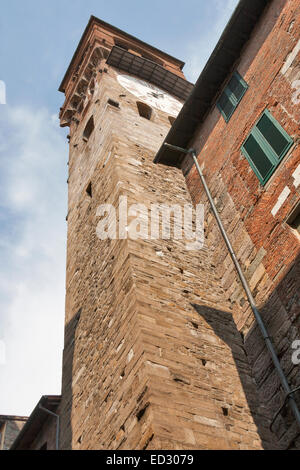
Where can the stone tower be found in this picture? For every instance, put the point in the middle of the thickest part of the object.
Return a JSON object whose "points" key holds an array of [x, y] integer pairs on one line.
{"points": [[152, 357]]}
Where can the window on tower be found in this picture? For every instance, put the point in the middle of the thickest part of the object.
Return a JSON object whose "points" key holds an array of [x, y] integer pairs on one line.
{"points": [[144, 110], [88, 129]]}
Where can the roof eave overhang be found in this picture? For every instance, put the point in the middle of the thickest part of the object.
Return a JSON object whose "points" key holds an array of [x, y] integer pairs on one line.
{"points": [[150, 71], [35, 421]]}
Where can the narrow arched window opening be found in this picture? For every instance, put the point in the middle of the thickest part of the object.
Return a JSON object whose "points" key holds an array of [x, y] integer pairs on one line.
{"points": [[88, 129], [144, 110], [89, 190]]}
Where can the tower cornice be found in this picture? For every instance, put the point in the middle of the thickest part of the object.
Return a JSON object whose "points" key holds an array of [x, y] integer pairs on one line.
{"points": [[96, 46], [91, 29]]}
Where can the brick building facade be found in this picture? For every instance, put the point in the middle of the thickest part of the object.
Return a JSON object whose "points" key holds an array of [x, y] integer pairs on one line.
{"points": [[161, 348]]}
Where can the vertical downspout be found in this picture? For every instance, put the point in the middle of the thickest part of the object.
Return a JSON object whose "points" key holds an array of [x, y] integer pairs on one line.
{"points": [[289, 393]]}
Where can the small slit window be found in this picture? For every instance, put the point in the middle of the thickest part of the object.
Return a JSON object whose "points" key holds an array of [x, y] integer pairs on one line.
{"points": [[88, 129], [294, 218], [144, 110], [113, 103], [266, 146], [152, 58], [232, 95], [89, 190]]}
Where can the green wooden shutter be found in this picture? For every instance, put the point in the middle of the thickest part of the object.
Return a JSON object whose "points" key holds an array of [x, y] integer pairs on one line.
{"points": [[266, 145], [232, 95]]}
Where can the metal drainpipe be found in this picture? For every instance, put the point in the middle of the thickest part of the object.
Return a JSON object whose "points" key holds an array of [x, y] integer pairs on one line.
{"points": [[57, 424], [289, 393]]}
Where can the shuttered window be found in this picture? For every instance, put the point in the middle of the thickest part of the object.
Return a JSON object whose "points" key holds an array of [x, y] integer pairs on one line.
{"points": [[232, 95], [266, 145]]}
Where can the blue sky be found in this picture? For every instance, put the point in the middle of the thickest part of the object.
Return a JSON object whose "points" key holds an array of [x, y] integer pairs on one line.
{"points": [[37, 42]]}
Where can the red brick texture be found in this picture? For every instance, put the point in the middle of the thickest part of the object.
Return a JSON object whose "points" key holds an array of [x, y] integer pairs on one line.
{"points": [[266, 245]]}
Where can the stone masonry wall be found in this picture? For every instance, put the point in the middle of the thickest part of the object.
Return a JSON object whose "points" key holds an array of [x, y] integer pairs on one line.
{"points": [[152, 356]]}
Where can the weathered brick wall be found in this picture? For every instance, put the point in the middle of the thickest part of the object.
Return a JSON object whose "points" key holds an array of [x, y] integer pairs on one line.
{"points": [[152, 356], [267, 247]]}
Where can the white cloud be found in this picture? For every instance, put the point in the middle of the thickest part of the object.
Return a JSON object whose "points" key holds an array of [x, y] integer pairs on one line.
{"points": [[205, 40], [33, 203]]}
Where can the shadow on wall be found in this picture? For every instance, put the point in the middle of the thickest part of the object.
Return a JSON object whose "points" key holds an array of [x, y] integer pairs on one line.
{"points": [[281, 314], [66, 435]]}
